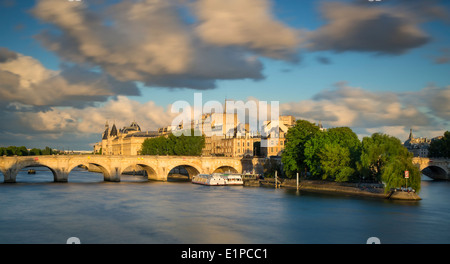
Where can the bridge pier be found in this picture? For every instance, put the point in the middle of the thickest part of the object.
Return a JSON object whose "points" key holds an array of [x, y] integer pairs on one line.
{"points": [[113, 175], [10, 175], [160, 175], [60, 175]]}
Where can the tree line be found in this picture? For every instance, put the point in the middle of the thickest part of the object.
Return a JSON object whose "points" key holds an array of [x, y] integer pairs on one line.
{"points": [[338, 155], [23, 151], [440, 148], [173, 145]]}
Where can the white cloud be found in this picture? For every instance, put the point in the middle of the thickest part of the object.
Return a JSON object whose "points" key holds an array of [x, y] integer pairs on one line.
{"points": [[248, 24], [91, 119], [25, 81], [365, 112], [368, 112]]}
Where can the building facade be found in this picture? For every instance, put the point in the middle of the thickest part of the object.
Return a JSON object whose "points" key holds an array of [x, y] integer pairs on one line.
{"points": [[224, 135], [417, 146], [273, 142], [125, 141]]}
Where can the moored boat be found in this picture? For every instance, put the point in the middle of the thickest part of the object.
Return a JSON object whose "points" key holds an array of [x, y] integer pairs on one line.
{"points": [[233, 179], [218, 179]]}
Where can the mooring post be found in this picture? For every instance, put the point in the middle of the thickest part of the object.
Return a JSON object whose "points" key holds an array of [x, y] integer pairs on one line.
{"points": [[297, 181], [276, 180]]}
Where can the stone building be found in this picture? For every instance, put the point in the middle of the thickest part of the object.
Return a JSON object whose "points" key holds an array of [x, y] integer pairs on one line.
{"points": [[274, 139], [417, 146], [125, 141], [224, 135], [242, 142]]}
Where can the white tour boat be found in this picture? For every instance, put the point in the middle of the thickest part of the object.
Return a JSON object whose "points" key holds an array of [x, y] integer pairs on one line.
{"points": [[218, 179]]}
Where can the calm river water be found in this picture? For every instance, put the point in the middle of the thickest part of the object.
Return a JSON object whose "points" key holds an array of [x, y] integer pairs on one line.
{"points": [[37, 210]]}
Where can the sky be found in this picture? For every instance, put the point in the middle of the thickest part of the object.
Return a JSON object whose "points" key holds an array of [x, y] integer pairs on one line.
{"points": [[68, 67]]}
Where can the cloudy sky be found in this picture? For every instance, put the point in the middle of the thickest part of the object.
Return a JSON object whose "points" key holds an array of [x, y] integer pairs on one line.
{"points": [[68, 67]]}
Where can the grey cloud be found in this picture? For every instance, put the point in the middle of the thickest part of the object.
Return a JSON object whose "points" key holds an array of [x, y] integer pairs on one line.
{"points": [[442, 60], [435, 99], [6, 55], [323, 60], [444, 56], [148, 41], [151, 42], [382, 29]]}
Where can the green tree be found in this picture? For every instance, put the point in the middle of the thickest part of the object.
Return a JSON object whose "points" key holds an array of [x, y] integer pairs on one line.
{"points": [[174, 145], [440, 148], [269, 168], [293, 156], [22, 151], [385, 159], [394, 171], [312, 151], [47, 151], [11, 150], [336, 163], [343, 137], [35, 152], [154, 146]]}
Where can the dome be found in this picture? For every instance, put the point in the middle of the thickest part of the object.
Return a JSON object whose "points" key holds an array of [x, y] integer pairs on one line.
{"points": [[135, 126]]}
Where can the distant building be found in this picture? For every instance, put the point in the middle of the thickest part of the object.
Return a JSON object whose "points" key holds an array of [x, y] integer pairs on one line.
{"points": [[417, 146], [126, 141], [274, 136], [224, 135], [321, 128]]}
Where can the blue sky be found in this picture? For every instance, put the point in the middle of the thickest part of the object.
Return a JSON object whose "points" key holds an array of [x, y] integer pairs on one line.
{"points": [[110, 60]]}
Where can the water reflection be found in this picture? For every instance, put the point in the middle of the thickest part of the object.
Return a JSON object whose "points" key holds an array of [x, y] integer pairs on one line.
{"points": [[135, 210]]}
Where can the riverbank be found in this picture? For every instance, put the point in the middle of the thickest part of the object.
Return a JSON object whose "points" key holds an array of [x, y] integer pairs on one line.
{"points": [[356, 189]]}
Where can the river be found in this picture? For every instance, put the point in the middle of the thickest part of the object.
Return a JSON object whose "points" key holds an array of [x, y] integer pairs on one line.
{"points": [[36, 210]]}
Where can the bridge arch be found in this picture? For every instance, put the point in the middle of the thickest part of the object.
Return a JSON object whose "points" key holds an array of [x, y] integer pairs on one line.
{"points": [[101, 167], [436, 172], [191, 169], [149, 170], [91, 166], [15, 169], [225, 169]]}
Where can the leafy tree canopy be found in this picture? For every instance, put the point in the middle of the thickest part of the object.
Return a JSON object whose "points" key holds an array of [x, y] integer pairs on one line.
{"points": [[440, 148], [338, 138], [293, 157], [174, 145], [23, 151], [385, 159]]}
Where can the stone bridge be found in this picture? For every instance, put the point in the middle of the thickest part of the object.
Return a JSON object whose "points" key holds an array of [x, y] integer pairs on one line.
{"points": [[112, 167], [437, 169]]}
